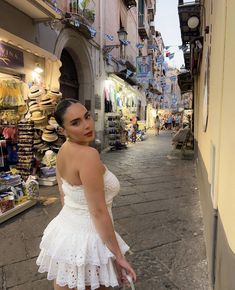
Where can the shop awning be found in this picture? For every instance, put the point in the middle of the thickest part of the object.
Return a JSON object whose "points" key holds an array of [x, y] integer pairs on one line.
{"points": [[132, 88], [36, 9], [14, 40]]}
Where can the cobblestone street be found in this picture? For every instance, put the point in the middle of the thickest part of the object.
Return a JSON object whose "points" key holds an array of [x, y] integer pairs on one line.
{"points": [[157, 213]]}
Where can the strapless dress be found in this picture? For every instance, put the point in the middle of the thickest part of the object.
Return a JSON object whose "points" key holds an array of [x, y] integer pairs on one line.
{"points": [[71, 250]]}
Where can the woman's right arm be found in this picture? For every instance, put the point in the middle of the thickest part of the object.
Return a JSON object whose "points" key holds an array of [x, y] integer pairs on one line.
{"points": [[91, 171], [59, 181]]}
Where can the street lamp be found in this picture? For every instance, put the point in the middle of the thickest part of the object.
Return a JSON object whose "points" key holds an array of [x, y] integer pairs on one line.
{"points": [[122, 36]]}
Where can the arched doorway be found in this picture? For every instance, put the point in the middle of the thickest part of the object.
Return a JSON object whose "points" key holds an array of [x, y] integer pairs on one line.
{"points": [[69, 85]]}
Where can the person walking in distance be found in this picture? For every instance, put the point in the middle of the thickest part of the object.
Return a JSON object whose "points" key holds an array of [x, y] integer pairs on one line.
{"points": [[157, 124], [79, 248]]}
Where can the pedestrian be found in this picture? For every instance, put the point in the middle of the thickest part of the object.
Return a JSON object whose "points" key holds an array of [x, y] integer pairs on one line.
{"points": [[157, 124], [79, 248], [134, 129], [169, 122]]}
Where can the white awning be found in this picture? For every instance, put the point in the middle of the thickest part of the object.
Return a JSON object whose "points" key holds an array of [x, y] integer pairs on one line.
{"points": [[36, 9]]}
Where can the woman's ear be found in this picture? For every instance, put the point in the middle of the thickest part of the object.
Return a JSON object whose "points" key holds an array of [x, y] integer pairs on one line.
{"points": [[62, 131]]}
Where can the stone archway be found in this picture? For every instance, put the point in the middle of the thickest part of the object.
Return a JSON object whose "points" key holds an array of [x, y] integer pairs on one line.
{"points": [[80, 51], [69, 83]]}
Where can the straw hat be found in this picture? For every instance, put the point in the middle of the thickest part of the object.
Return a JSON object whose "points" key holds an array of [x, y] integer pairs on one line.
{"points": [[37, 116], [55, 94], [34, 108], [53, 122], [46, 100], [48, 137], [35, 92]]}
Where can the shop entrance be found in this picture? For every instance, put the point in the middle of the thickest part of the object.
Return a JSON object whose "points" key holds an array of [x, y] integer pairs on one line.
{"points": [[69, 85]]}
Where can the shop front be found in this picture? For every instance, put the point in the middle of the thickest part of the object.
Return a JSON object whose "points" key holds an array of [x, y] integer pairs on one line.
{"points": [[123, 108], [29, 140]]}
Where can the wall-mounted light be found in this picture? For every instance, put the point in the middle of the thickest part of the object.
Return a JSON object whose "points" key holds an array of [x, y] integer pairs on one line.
{"points": [[193, 22], [122, 34], [38, 69]]}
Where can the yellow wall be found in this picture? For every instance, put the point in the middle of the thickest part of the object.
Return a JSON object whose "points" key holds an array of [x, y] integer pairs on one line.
{"points": [[226, 200], [221, 109]]}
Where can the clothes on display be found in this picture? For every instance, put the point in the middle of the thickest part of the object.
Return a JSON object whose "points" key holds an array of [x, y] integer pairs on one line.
{"points": [[28, 131]]}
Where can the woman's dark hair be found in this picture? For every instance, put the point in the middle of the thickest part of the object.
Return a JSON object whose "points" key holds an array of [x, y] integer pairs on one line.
{"points": [[61, 109]]}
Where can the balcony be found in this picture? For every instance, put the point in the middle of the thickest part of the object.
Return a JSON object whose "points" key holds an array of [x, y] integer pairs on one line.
{"points": [[151, 13], [187, 10], [143, 27], [185, 82], [38, 10], [130, 3]]}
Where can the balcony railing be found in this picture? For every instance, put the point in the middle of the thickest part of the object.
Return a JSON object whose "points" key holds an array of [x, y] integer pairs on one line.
{"points": [[143, 27]]}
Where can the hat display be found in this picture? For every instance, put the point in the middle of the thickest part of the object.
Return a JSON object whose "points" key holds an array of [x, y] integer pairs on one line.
{"points": [[37, 116], [35, 92], [55, 94]]}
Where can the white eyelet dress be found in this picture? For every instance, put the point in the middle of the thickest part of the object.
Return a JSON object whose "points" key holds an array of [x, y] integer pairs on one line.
{"points": [[72, 252]]}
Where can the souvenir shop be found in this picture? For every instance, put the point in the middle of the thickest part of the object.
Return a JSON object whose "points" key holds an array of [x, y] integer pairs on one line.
{"points": [[123, 103], [29, 139]]}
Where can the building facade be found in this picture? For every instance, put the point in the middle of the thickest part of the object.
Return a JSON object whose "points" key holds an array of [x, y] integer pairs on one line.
{"points": [[210, 35]]}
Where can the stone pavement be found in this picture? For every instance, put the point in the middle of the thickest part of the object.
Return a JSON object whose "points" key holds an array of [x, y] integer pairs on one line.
{"points": [[157, 213]]}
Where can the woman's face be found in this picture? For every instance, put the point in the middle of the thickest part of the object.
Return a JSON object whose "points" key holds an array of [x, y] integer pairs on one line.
{"points": [[78, 124]]}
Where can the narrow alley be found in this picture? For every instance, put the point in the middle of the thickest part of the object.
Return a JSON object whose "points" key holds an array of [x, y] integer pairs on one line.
{"points": [[157, 213]]}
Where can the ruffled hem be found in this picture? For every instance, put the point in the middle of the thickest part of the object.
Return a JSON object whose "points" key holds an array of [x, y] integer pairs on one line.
{"points": [[77, 260], [79, 277]]}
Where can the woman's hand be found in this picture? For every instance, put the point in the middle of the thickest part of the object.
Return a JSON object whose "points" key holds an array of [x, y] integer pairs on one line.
{"points": [[123, 268]]}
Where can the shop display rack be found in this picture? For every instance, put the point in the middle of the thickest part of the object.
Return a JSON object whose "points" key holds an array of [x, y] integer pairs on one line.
{"points": [[114, 131], [16, 210]]}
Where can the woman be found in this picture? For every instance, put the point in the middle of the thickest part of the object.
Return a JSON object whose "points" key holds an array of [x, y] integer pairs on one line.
{"points": [[79, 248], [157, 125]]}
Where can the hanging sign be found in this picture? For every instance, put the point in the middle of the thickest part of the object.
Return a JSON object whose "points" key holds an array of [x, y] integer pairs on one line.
{"points": [[11, 57], [144, 66]]}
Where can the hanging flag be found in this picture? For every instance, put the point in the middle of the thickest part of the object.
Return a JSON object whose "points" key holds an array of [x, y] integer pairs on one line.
{"points": [[168, 54], [109, 58], [109, 37], [120, 67], [160, 59], [152, 46], [173, 78], [184, 48], [76, 23], [139, 45], [128, 73], [125, 42], [92, 31], [165, 65], [171, 55]]}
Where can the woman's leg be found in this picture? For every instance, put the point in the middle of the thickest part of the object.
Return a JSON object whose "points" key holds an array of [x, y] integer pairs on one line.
{"points": [[57, 287], [101, 288]]}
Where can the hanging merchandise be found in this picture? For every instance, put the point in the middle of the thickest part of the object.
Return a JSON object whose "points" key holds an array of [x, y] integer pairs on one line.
{"points": [[117, 135], [11, 93], [1, 156]]}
